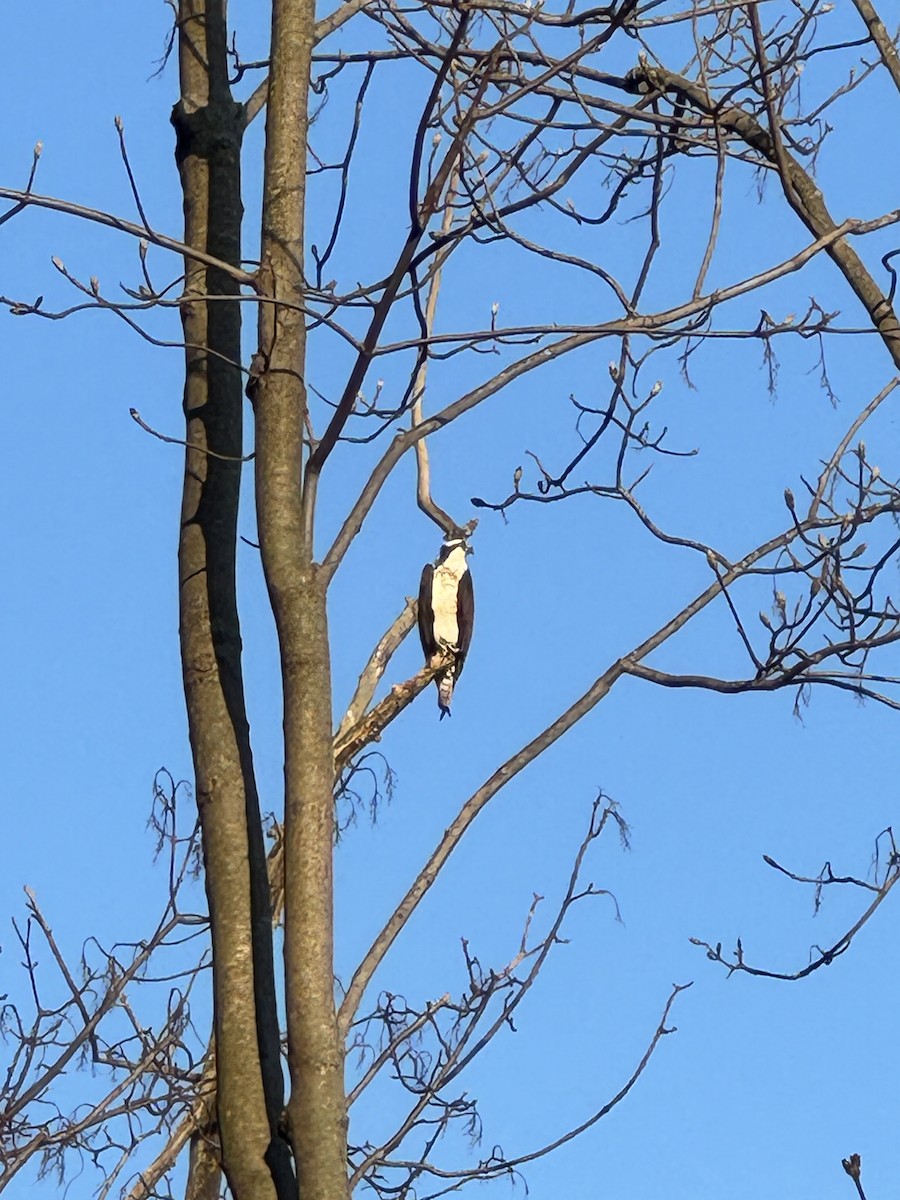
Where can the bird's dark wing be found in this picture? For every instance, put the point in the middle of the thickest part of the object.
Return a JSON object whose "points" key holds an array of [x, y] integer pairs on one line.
{"points": [[426, 613], [465, 616]]}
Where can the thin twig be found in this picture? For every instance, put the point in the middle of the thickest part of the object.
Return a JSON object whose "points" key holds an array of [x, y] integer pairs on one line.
{"points": [[139, 420], [99, 217]]}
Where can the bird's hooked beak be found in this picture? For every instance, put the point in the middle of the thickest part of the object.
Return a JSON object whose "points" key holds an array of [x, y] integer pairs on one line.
{"points": [[470, 549]]}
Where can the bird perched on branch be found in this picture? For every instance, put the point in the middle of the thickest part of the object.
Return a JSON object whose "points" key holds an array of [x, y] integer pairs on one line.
{"points": [[447, 613]]}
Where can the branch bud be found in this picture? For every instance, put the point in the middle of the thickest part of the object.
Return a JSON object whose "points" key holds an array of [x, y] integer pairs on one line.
{"points": [[853, 1164]]}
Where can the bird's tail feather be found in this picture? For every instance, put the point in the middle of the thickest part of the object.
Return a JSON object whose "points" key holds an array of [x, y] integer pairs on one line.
{"points": [[445, 692]]}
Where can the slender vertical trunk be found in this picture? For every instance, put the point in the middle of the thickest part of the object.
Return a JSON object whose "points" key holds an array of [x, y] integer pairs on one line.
{"points": [[317, 1106], [209, 127]]}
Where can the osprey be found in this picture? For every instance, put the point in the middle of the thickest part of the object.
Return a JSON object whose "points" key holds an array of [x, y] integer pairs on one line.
{"points": [[447, 613]]}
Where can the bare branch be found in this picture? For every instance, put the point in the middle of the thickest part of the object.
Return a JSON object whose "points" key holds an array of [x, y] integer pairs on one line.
{"points": [[423, 471], [26, 199], [139, 420], [852, 1166], [370, 727], [882, 39], [374, 669], [823, 958]]}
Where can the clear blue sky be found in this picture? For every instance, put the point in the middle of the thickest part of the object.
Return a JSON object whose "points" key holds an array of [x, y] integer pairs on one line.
{"points": [[765, 1086]]}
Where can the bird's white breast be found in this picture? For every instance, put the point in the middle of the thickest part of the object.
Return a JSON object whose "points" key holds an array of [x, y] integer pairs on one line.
{"points": [[444, 589]]}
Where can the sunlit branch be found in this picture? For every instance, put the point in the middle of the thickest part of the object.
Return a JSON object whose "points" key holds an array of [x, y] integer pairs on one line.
{"points": [[139, 420], [856, 425], [372, 725], [882, 39], [374, 669], [801, 191], [27, 199]]}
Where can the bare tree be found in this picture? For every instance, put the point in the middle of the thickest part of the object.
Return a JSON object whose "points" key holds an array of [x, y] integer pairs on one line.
{"points": [[539, 130]]}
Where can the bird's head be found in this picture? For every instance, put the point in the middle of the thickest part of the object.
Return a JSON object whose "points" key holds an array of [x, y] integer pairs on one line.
{"points": [[454, 542]]}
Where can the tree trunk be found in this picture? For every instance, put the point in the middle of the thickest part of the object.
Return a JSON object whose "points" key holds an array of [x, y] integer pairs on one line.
{"points": [[317, 1106], [209, 127]]}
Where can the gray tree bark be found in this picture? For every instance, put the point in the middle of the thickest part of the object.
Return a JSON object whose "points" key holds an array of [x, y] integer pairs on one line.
{"points": [[209, 126], [317, 1114]]}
